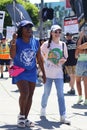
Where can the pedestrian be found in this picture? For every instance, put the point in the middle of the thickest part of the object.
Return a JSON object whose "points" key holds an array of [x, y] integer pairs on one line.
{"points": [[24, 51], [52, 52], [81, 66], [70, 64], [5, 58]]}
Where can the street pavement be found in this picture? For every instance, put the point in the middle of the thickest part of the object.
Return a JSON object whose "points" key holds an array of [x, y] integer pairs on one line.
{"points": [[9, 109]]}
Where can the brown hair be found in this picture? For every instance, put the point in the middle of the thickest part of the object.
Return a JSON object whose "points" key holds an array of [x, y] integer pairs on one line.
{"points": [[49, 41]]}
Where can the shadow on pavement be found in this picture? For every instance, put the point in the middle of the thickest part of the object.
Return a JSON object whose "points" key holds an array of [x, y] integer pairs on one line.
{"points": [[79, 114], [14, 127], [85, 113], [66, 94], [15, 91], [5, 78], [46, 124], [79, 106]]}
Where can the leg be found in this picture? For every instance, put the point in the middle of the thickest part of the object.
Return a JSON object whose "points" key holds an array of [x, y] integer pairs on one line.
{"points": [[79, 89], [47, 89], [78, 85], [25, 100], [85, 86], [72, 81], [71, 72], [24, 93], [1, 67], [61, 101], [8, 64], [31, 89], [60, 96]]}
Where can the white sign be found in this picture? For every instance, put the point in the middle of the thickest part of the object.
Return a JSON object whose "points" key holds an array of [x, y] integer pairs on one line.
{"points": [[71, 25], [9, 32], [2, 16]]}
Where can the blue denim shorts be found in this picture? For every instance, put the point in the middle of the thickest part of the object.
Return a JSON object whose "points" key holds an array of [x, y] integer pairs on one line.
{"points": [[81, 68]]}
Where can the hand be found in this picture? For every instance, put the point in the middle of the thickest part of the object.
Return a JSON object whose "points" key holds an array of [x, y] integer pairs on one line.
{"points": [[44, 78], [15, 36], [13, 41], [62, 60]]}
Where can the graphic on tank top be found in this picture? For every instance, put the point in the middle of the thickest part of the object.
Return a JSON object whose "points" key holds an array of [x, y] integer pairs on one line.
{"points": [[27, 57], [55, 55]]}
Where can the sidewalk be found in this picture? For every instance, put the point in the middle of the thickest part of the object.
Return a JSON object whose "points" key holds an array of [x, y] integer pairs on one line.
{"points": [[9, 109]]}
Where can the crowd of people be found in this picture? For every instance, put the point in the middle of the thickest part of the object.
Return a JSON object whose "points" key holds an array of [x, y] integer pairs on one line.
{"points": [[26, 52]]}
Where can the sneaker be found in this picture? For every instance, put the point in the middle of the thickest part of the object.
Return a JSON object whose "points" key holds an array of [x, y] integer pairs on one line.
{"points": [[85, 102], [43, 112], [64, 120], [79, 100], [1, 75], [72, 92]]}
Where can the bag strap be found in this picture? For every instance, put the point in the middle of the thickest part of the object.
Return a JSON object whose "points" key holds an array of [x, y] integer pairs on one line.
{"points": [[63, 49]]}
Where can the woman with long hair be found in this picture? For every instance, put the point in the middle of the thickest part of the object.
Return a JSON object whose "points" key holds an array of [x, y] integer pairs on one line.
{"points": [[52, 52]]}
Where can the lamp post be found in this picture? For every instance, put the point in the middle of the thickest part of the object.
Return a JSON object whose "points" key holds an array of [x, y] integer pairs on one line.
{"points": [[41, 22], [14, 2]]}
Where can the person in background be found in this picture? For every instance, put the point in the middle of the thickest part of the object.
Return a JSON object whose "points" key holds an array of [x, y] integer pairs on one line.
{"points": [[70, 64], [24, 51], [81, 66], [52, 52], [5, 58]]}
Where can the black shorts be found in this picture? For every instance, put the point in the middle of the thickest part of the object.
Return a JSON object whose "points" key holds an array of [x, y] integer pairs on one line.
{"points": [[5, 62]]}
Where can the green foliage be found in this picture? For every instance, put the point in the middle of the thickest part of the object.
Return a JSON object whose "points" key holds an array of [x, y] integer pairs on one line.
{"points": [[33, 12], [31, 9]]}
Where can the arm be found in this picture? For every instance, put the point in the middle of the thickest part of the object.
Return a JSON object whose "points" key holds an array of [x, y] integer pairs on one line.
{"points": [[83, 46], [40, 62], [79, 44]]}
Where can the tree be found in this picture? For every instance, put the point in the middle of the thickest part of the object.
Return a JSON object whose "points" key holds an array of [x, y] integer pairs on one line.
{"points": [[31, 9]]}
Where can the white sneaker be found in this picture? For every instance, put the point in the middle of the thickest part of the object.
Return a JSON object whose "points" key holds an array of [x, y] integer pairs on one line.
{"points": [[43, 112], [79, 100], [64, 120]]}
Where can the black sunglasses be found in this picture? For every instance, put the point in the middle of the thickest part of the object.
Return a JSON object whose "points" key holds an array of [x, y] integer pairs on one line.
{"points": [[57, 31]]}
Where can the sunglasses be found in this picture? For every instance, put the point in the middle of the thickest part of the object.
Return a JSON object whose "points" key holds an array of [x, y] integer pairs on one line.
{"points": [[57, 31]]}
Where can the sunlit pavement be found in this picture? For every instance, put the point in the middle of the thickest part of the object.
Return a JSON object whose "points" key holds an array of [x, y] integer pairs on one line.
{"points": [[9, 109]]}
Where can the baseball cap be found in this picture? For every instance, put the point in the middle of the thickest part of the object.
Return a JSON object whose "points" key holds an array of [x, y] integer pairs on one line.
{"points": [[24, 23], [68, 34], [55, 27]]}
